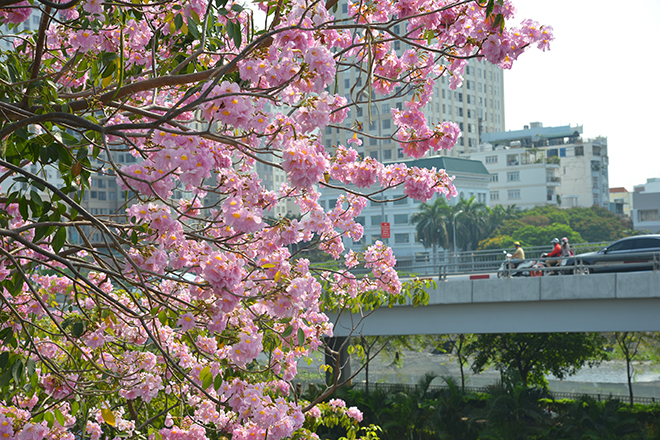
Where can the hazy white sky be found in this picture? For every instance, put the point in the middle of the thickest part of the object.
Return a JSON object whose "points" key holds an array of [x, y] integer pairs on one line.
{"points": [[602, 72]]}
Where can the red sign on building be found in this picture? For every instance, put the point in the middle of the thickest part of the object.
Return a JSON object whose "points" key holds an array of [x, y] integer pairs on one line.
{"points": [[385, 230]]}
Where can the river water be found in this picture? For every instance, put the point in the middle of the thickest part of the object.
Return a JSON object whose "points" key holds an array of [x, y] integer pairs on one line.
{"points": [[609, 377]]}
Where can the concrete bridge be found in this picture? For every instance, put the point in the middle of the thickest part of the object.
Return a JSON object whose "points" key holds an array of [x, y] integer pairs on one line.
{"points": [[568, 303]]}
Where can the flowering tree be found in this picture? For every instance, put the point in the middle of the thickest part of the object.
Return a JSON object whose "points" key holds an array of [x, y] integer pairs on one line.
{"points": [[184, 317]]}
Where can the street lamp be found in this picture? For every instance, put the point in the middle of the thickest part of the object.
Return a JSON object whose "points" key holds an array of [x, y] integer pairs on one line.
{"points": [[454, 221]]}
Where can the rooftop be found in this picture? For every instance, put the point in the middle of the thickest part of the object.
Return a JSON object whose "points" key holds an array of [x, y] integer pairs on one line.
{"points": [[452, 165], [536, 133], [618, 190]]}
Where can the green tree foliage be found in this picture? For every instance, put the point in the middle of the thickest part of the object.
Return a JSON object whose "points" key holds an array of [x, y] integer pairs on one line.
{"points": [[539, 225], [431, 224], [534, 355]]}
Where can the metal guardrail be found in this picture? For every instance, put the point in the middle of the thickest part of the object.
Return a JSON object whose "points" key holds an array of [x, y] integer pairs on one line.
{"points": [[471, 262], [575, 265]]}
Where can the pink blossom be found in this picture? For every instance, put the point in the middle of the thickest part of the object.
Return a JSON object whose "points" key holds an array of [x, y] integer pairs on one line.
{"points": [[186, 321]]}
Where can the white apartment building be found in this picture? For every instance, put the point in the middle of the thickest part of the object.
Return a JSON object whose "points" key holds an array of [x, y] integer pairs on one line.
{"points": [[581, 177], [519, 176], [472, 180], [646, 206]]}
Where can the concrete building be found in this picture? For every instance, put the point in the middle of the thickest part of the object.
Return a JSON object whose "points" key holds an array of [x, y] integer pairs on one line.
{"points": [[582, 174], [646, 206], [472, 180], [519, 176], [620, 201], [477, 106]]}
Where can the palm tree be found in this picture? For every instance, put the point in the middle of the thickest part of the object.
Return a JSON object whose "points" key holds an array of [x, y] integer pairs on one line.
{"points": [[472, 224], [431, 224]]}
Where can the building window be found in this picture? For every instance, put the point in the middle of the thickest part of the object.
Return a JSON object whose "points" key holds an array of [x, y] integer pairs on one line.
{"points": [[400, 219], [93, 194], [513, 176], [401, 238], [403, 201], [562, 152], [512, 160], [553, 152], [494, 177], [596, 150], [648, 215], [386, 124], [359, 220], [594, 182], [101, 195], [514, 194], [387, 154], [579, 151], [494, 195], [491, 159], [112, 195], [376, 220]]}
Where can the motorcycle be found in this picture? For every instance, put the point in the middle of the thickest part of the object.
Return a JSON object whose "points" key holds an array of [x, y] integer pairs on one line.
{"points": [[526, 268]]}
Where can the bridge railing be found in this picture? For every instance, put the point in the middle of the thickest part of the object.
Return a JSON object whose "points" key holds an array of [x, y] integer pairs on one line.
{"points": [[470, 262], [577, 265]]}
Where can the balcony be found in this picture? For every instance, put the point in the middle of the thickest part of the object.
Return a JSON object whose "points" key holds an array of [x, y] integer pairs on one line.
{"points": [[553, 181]]}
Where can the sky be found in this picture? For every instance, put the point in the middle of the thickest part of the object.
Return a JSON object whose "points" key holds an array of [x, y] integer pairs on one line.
{"points": [[602, 72]]}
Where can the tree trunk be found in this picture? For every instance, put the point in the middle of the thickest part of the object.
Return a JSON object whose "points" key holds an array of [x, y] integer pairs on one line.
{"points": [[629, 373]]}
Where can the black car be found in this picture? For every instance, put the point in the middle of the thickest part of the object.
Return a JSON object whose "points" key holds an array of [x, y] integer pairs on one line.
{"points": [[641, 252]]}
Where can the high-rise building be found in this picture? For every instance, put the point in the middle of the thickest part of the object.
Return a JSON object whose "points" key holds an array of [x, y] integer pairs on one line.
{"points": [[477, 107]]}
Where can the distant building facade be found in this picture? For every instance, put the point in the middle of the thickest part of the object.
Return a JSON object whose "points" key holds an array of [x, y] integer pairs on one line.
{"points": [[646, 206], [620, 201], [472, 180], [519, 176], [581, 176]]}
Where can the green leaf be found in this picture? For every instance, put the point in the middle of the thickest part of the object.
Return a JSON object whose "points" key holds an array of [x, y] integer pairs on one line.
{"points": [[178, 21], [301, 336], [31, 367], [4, 358], [48, 417], [287, 331], [108, 416], [206, 377], [236, 7], [17, 371], [217, 382], [74, 408], [59, 239], [60, 417], [77, 329], [192, 28]]}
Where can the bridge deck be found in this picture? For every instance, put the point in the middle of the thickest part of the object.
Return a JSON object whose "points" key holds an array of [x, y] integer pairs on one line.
{"points": [[573, 303]]}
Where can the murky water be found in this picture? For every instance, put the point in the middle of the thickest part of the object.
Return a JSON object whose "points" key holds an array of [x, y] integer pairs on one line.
{"points": [[607, 378]]}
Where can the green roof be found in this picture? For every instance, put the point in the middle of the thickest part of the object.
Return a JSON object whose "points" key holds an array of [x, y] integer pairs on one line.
{"points": [[453, 165]]}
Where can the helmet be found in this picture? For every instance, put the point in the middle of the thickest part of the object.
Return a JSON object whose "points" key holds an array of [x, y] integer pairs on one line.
{"points": [[555, 240], [516, 243], [564, 240]]}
